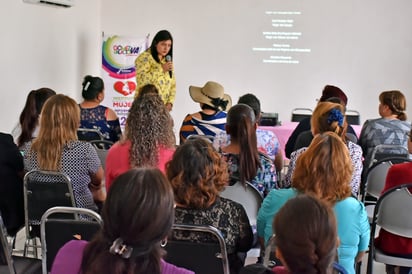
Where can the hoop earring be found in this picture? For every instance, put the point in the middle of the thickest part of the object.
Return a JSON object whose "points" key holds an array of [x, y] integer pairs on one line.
{"points": [[163, 242]]}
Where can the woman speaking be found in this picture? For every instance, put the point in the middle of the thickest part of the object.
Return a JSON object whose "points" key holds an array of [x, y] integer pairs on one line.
{"points": [[155, 66]]}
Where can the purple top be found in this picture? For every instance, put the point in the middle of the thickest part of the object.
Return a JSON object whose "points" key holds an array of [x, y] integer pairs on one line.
{"points": [[69, 259]]}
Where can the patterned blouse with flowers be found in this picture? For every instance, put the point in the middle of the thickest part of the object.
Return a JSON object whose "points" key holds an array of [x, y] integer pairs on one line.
{"points": [[265, 179], [148, 71]]}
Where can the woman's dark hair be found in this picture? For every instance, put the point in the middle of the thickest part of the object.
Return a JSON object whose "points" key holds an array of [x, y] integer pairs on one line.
{"points": [[162, 35], [306, 235], [91, 87], [240, 125], [31, 111], [197, 173], [139, 210]]}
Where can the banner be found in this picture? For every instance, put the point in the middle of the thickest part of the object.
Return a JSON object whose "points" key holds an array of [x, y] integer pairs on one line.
{"points": [[118, 72]]}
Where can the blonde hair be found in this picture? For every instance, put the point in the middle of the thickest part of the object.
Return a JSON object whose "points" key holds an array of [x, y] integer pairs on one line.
{"points": [[324, 169], [59, 121], [321, 122]]}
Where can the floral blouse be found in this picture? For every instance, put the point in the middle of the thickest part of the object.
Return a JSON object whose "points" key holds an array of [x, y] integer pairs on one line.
{"points": [[265, 179], [148, 71], [355, 152]]}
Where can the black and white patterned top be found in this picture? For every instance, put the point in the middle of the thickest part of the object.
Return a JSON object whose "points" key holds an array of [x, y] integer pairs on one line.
{"points": [[227, 216], [79, 161]]}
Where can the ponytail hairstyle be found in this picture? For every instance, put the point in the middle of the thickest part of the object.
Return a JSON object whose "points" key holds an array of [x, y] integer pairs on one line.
{"points": [[396, 102], [30, 115], [91, 87], [162, 35], [137, 215], [306, 235], [329, 116], [240, 125]]}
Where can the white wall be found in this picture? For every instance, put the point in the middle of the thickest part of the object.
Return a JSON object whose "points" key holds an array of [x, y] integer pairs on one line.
{"points": [[43, 46], [361, 46]]}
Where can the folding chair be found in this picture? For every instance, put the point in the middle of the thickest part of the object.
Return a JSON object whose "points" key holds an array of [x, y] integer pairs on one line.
{"points": [[375, 181], [55, 232], [246, 195], [15, 264], [392, 213], [385, 151], [352, 117], [298, 114], [89, 134], [43, 190], [202, 258], [102, 148]]}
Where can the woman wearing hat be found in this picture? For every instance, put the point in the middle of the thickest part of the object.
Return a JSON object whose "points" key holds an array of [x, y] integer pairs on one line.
{"points": [[212, 118]]}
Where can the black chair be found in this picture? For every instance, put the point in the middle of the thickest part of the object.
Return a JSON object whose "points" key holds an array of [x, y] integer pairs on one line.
{"points": [[352, 117], [15, 264], [43, 190], [298, 114], [89, 134], [392, 213], [102, 148], [386, 151], [55, 231], [202, 258]]}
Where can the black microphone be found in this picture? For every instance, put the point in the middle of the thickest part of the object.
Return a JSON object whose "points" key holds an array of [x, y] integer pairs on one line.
{"points": [[169, 59]]}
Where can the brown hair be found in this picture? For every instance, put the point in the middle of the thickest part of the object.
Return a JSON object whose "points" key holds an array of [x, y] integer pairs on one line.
{"points": [[326, 116], [197, 174], [396, 102], [29, 117], [240, 125], [139, 209], [59, 120], [148, 127], [306, 235], [324, 169]]}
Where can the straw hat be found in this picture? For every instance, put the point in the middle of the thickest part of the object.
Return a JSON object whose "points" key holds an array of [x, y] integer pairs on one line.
{"points": [[212, 94]]}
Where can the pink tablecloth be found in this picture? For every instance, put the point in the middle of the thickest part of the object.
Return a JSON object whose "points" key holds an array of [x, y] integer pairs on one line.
{"points": [[285, 130]]}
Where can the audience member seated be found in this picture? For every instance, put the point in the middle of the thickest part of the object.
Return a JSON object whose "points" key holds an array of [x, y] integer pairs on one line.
{"points": [[245, 162], [137, 218], [28, 127], [198, 174], [329, 117], [56, 148], [306, 236], [95, 116], [267, 141], [304, 125], [212, 118], [324, 170], [410, 143], [387, 242], [392, 128], [149, 138], [11, 187]]}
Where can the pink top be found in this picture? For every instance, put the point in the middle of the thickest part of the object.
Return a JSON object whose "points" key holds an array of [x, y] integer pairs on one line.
{"points": [[117, 161], [69, 259]]}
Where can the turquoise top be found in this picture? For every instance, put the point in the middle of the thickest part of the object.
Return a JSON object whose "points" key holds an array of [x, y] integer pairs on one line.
{"points": [[351, 216]]}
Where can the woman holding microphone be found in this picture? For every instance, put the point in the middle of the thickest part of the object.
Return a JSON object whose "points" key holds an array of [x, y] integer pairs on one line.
{"points": [[155, 66]]}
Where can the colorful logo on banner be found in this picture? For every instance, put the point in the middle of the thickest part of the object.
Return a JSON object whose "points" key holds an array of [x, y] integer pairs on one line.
{"points": [[119, 73]]}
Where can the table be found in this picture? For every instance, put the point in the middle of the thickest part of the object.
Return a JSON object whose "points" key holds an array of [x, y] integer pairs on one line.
{"points": [[284, 131]]}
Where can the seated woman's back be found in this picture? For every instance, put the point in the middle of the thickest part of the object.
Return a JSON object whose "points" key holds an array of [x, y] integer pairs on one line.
{"points": [[198, 174], [244, 160], [95, 116]]}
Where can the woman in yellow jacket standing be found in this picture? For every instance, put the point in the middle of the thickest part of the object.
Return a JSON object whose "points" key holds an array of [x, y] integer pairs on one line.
{"points": [[155, 66]]}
